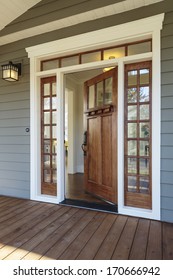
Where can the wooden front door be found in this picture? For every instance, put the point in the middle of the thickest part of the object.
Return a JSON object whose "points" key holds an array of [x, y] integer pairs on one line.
{"points": [[48, 136], [100, 137]]}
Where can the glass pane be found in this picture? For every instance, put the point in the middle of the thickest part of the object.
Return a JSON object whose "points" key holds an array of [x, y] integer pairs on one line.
{"points": [[132, 95], [54, 176], [144, 130], [132, 165], [54, 146], [68, 61], [47, 176], [99, 92], [108, 90], [47, 103], [114, 53], [53, 88], [144, 76], [132, 184], [132, 148], [132, 130], [46, 89], [144, 148], [47, 162], [54, 162], [46, 146], [54, 117], [52, 64], [46, 131], [46, 117], [144, 166], [144, 112], [53, 131], [132, 78], [54, 102], [144, 94], [144, 184], [91, 100], [139, 48], [132, 112], [91, 57]]}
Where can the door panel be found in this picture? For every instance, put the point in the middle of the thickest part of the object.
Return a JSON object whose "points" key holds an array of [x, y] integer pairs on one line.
{"points": [[100, 158]]}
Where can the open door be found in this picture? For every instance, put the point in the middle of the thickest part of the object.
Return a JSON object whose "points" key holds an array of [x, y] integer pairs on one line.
{"points": [[100, 136]]}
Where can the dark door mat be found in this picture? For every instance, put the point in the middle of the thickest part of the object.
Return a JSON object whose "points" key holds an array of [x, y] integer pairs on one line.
{"points": [[90, 205]]}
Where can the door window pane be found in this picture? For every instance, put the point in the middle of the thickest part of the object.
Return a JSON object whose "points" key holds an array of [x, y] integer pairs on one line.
{"points": [[46, 131], [132, 78], [46, 117], [53, 131], [132, 130], [46, 89], [54, 117], [144, 166], [144, 130], [144, 76], [47, 103], [144, 112], [108, 90], [144, 184], [132, 95], [132, 184], [54, 103], [46, 146], [46, 162], [54, 176], [132, 165], [132, 112], [99, 92], [144, 94], [144, 148], [47, 176], [91, 96], [132, 148]]}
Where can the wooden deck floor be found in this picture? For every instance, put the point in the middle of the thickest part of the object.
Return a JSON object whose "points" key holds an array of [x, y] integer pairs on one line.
{"points": [[33, 230]]}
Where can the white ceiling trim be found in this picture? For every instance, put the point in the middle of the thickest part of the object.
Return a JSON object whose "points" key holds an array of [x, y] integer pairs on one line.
{"points": [[109, 10], [11, 9]]}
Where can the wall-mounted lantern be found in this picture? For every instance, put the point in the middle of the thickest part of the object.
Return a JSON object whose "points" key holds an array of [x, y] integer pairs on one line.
{"points": [[11, 72]]}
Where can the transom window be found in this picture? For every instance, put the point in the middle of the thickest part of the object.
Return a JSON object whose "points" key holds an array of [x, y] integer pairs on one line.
{"points": [[98, 55]]}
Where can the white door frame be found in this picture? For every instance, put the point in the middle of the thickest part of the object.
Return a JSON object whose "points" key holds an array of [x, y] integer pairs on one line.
{"points": [[133, 31]]}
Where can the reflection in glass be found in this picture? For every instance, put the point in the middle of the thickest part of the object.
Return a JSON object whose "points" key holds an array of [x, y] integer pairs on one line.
{"points": [[132, 184], [46, 161], [144, 148], [47, 176], [132, 78], [108, 90], [144, 94], [99, 92], [132, 112], [46, 131], [144, 184], [132, 130], [132, 148], [144, 166], [144, 76], [91, 97], [132, 95], [132, 165], [144, 130], [144, 112], [47, 103], [46, 117], [46, 146], [46, 89], [54, 117]]}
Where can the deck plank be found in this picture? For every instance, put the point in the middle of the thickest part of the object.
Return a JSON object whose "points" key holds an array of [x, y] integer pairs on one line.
{"points": [[93, 245], [107, 247], [138, 250], [123, 247], [167, 241], [154, 246]]}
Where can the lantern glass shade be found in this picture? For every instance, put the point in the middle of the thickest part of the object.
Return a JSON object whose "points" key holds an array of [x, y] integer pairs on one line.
{"points": [[10, 72]]}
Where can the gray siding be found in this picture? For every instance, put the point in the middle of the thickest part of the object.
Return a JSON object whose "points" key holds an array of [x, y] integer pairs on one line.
{"points": [[14, 97], [167, 120]]}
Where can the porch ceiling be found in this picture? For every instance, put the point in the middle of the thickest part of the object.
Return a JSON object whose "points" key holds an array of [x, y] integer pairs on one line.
{"points": [[11, 9]]}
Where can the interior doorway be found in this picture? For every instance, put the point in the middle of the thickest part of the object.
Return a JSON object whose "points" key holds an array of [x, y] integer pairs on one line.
{"points": [[77, 190]]}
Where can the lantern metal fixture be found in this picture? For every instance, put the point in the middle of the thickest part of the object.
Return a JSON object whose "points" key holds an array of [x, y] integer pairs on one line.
{"points": [[11, 72]]}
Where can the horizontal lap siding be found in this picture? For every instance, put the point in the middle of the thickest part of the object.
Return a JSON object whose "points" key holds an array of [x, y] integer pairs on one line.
{"points": [[167, 120], [14, 118]]}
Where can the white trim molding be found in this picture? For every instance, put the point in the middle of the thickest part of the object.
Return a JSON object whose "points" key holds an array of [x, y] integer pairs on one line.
{"points": [[141, 29]]}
